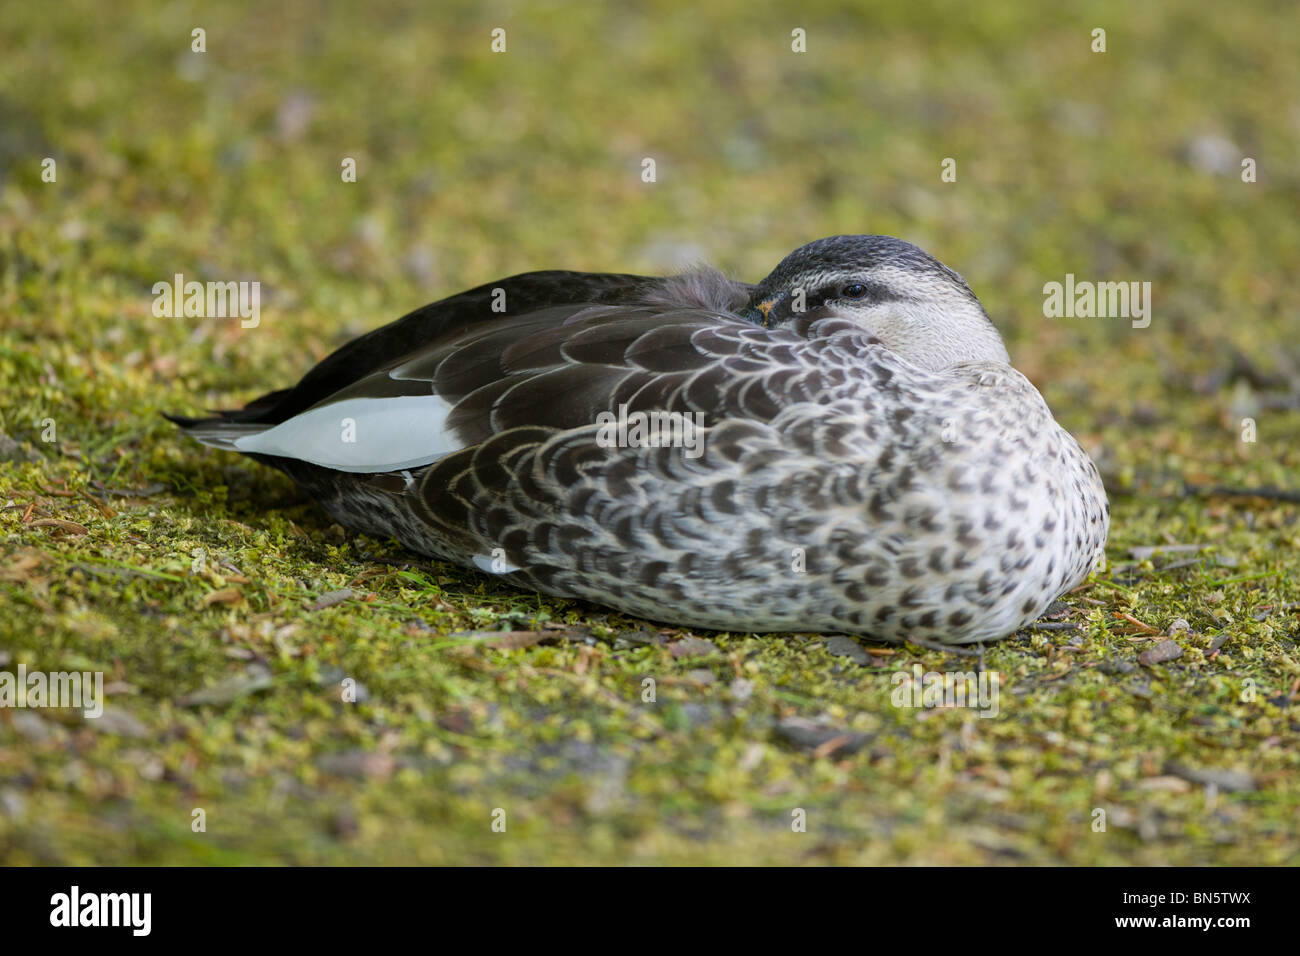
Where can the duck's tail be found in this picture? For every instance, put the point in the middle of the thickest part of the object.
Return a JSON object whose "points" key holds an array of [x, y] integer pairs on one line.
{"points": [[222, 427], [217, 432]]}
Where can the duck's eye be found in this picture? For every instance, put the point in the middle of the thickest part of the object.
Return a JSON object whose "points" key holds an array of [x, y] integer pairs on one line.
{"points": [[855, 291]]}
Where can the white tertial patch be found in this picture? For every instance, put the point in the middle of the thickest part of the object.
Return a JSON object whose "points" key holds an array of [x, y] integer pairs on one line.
{"points": [[380, 434]]}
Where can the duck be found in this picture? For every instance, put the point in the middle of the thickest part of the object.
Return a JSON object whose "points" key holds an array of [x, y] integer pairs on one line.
{"points": [[843, 447]]}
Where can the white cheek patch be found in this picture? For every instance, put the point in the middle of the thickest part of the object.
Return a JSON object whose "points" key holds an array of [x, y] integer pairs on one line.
{"points": [[362, 434]]}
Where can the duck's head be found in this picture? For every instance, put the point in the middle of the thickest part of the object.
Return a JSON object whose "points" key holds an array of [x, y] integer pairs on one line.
{"points": [[918, 307]]}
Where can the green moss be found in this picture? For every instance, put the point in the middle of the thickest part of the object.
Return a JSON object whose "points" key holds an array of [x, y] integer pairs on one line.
{"points": [[198, 570]]}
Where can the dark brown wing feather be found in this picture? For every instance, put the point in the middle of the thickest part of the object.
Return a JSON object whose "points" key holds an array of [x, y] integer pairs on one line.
{"points": [[524, 293]]}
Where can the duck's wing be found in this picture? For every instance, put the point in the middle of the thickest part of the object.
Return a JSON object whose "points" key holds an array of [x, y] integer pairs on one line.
{"points": [[556, 368], [790, 425], [516, 296], [494, 431]]}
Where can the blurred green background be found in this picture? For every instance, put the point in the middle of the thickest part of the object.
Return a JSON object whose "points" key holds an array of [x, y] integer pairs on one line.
{"points": [[183, 568]]}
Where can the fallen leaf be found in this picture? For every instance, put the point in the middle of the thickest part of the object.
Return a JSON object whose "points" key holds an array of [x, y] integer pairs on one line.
{"points": [[224, 596], [358, 764], [70, 527], [331, 598], [820, 740], [514, 640], [1230, 780], [253, 679], [116, 721]]}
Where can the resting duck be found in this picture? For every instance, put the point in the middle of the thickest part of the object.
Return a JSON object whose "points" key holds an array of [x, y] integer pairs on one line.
{"points": [[846, 446]]}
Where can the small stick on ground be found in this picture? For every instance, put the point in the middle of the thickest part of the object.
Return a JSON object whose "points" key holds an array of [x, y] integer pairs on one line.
{"points": [[1141, 625], [1223, 491]]}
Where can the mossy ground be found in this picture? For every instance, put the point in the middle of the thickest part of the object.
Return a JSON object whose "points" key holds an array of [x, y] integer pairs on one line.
{"points": [[184, 569]]}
